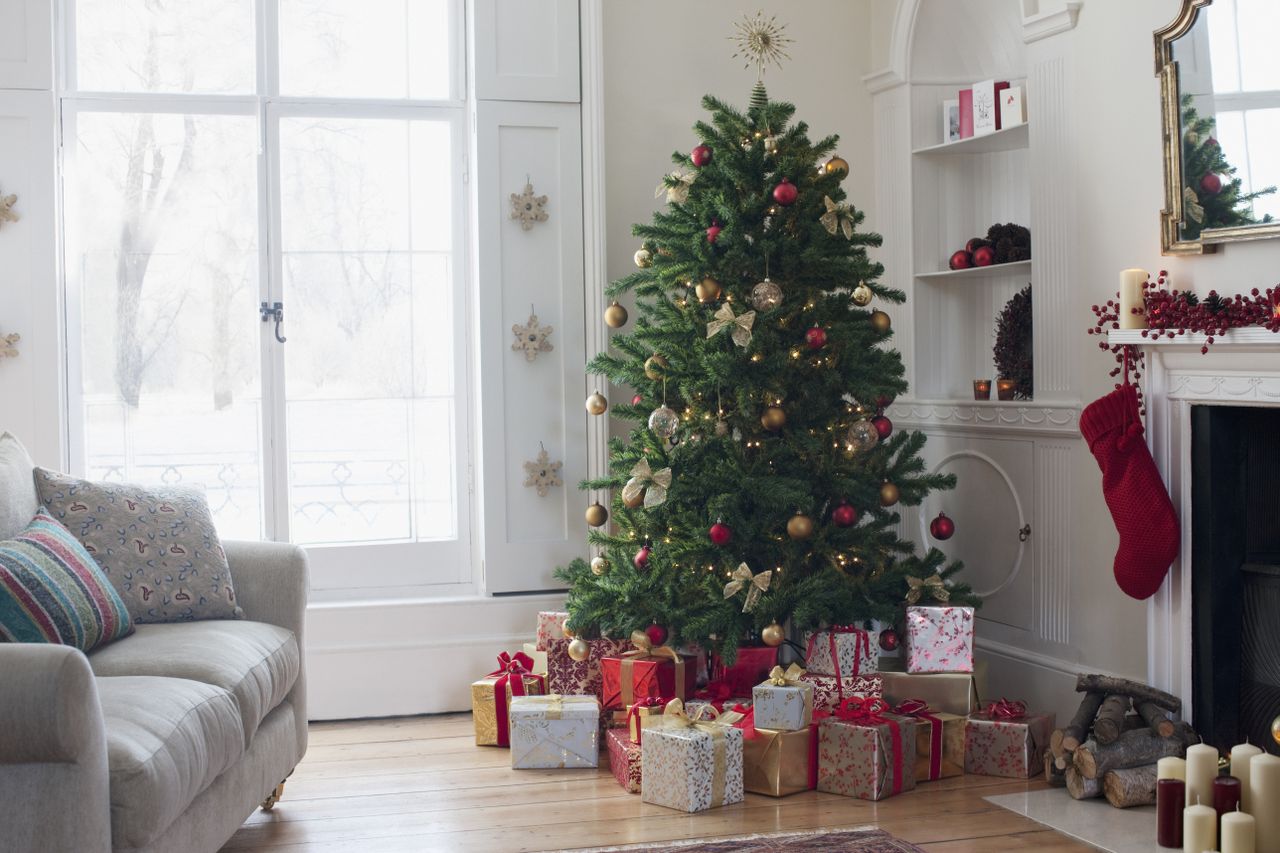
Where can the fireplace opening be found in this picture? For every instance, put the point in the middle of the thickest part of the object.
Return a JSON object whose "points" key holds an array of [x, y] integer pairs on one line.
{"points": [[1235, 565]]}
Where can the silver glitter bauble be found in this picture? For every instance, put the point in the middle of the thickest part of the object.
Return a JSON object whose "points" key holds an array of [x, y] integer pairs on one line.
{"points": [[664, 422], [766, 296], [862, 436]]}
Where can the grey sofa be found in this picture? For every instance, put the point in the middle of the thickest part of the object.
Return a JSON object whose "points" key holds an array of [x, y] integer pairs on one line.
{"points": [[163, 741]]}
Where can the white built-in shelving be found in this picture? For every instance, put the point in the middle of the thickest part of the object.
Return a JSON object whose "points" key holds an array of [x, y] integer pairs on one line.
{"points": [[1014, 268], [1006, 139]]}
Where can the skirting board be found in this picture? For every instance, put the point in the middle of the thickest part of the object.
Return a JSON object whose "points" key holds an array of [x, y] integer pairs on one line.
{"points": [[1042, 681]]}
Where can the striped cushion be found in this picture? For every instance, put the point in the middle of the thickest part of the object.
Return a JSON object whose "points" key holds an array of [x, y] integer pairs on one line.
{"points": [[52, 591]]}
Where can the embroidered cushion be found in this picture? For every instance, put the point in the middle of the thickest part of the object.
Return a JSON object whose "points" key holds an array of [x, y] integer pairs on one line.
{"points": [[52, 591], [157, 545]]}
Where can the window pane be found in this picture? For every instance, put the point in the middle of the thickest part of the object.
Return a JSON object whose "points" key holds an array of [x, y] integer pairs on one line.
{"points": [[165, 46], [370, 49], [162, 236], [369, 278]]}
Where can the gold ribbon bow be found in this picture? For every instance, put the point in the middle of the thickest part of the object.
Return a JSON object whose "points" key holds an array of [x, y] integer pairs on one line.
{"points": [[645, 649], [652, 484], [1191, 202], [780, 677], [756, 585], [931, 586], [740, 324], [839, 217], [676, 186]]}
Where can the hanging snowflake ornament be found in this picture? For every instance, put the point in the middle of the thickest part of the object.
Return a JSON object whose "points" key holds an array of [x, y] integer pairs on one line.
{"points": [[838, 218], [542, 473], [759, 41], [7, 213], [531, 338], [528, 208], [676, 186]]}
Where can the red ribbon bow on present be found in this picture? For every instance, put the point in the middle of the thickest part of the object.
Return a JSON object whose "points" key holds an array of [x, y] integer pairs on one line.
{"points": [[748, 721], [919, 709], [511, 672], [1006, 709], [716, 692], [633, 712], [861, 648], [869, 711]]}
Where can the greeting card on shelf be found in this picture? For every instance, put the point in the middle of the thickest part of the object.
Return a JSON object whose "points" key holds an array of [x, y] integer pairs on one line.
{"points": [[951, 120], [985, 108], [966, 113], [1013, 107]]}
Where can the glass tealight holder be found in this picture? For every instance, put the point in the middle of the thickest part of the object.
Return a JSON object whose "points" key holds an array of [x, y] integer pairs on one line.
{"points": [[982, 389], [1005, 388]]}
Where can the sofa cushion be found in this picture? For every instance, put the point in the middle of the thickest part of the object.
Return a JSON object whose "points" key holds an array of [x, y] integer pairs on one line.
{"points": [[157, 544], [255, 662], [52, 591], [167, 740], [18, 500]]}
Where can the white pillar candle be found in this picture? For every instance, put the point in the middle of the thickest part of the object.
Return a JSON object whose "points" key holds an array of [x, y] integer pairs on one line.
{"points": [[1238, 833], [1171, 768], [1241, 755], [1131, 282], [1264, 790], [1202, 767], [1199, 829]]}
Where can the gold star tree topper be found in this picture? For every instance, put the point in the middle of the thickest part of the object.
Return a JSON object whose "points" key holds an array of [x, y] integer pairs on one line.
{"points": [[760, 41]]}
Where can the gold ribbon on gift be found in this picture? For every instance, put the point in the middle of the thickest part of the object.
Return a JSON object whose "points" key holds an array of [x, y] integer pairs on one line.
{"points": [[675, 717], [839, 217], [931, 586], [757, 585], [791, 677], [646, 650], [741, 324], [652, 484]]}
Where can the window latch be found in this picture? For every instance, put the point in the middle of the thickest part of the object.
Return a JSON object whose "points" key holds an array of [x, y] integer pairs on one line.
{"points": [[273, 311]]}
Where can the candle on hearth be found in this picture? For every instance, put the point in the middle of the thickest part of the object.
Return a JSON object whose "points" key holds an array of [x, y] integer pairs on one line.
{"points": [[1199, 829], [1239, 833], [1241, 755], [1172, 768], [1202, 767], [1226, 795], [1264, 792], [1170, 801], [1133, 312]]}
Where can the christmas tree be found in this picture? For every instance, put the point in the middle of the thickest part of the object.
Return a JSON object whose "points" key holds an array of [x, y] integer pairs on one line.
{"points": [[759, 482], [1211, 192]]}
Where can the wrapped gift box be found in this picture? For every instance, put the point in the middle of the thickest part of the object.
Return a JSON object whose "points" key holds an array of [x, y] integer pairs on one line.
{"points": [[939, 639], [999, 742], [539, 657], [637, 715], [750, 667], [777, 763], [491, 698], [829, 691], [624, 759], [550, 627], [691, 766], [952, 692], [784, 701], [842, 651], [629, 677], [868, 754], [572, 677], [555, 731], [939, 741]]}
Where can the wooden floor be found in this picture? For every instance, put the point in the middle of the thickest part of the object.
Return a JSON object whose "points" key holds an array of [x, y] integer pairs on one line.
{"points": [[420, 784]]}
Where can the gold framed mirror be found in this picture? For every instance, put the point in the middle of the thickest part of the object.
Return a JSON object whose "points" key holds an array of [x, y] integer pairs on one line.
{"points": [[1220, 113]]}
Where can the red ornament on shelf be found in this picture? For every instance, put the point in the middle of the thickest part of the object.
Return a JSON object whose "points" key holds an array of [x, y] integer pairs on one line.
{"points": [[656, 634], [637, 400], [785, 193], [713, 233], [641, 559], [720, 533], [984, 256], [974, 243], [883, 425], [1211, 184], [844, 515], [888, 639], [960, 260], [701, 155], [816, 337], [942, 528]]}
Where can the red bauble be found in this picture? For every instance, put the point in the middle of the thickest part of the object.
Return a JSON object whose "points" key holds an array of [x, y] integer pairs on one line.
{"points": [[974, 243], [960, 260], [844, 516], [888, 639], [641, 559], [984, 256], [656, 634], [816, 337], [884, 401], [883, 425], [785, 193], [1211, 184], [942, 528], [713, 233], [637, 400], [720, 533], [701, 155]]}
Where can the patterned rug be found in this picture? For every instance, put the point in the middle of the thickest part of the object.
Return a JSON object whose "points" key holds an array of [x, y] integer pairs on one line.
{"points": [[863, 840]]}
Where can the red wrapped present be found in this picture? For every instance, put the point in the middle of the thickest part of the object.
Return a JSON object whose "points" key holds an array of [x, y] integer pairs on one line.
{"points": [[491, 697], [829, 691], [866, 752], [750, 667], [624, 760], [1004, 740], [842, 651], [939, 740], [570, 677], [648, 671]]}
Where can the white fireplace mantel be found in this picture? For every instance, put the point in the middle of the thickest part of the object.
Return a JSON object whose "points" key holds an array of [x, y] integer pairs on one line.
{"points": [[1241, 368]]}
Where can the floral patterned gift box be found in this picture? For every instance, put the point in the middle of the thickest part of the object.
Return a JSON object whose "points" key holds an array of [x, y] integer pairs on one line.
{"points": [[624, 759], [1004, 740], [571, 677], [491, 697], [692, 764], [784, 701], [866, 752], [550, 627], [841, 650], [939, 639], [829, 691], [555, 731]]}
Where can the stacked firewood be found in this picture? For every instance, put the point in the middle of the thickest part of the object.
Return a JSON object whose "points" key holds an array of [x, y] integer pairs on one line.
{"points": [[1111, 746]]}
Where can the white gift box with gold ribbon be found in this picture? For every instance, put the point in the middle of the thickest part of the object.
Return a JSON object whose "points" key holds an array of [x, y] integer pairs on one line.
{"points": [[692, 763], [783, 702], [554, 731]]}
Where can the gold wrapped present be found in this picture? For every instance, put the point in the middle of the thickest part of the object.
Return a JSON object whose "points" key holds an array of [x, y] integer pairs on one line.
{"points": [[952, 692], [777, 763], [491, 697], [939, 740]]}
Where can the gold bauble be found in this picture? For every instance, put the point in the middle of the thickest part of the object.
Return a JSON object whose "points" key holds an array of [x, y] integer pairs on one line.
{"points": [[888, 494], [837, 166], [597, 515], [615, 316], [599, 565], [772, 634], [1275, 729], [773, 418], [655, 367], [597, 404], [566, 630], [862, 295], [708, 290], [880, 321], [643, 258], [578, 649], [800, 526]]}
